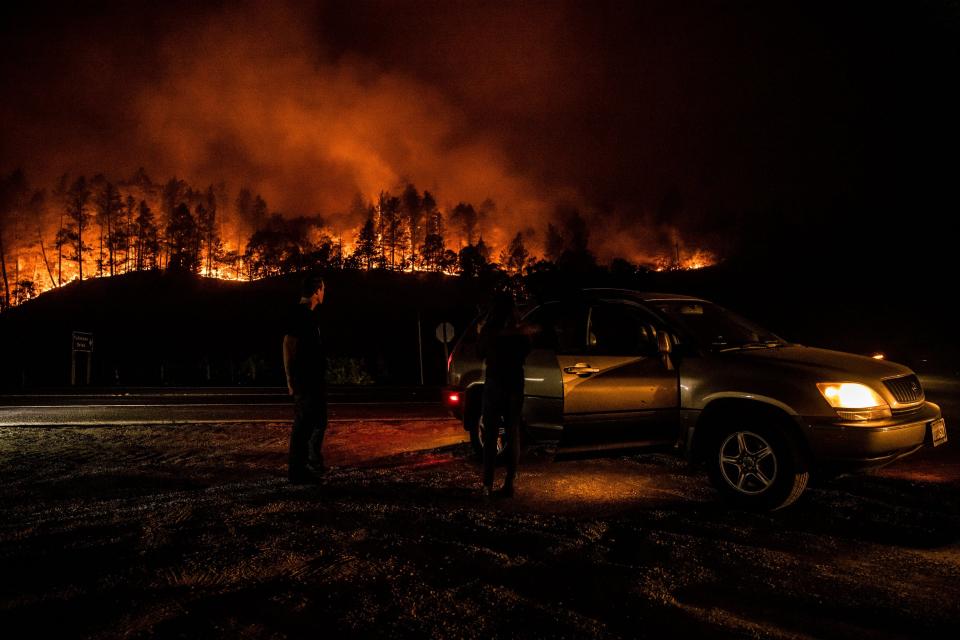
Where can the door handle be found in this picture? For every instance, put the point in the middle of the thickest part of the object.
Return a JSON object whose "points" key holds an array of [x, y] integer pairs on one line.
{"points": [[581, 369]]}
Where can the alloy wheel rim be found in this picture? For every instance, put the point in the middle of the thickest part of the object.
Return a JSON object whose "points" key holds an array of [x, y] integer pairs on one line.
{"points": [[747, 462]]}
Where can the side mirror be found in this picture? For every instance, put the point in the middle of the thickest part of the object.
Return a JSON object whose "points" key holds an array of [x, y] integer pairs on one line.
{"points": [[664, 343]]}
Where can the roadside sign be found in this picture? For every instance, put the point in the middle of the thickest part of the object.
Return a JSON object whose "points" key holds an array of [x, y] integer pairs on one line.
{"points": [[82, 341], [444, 332]]}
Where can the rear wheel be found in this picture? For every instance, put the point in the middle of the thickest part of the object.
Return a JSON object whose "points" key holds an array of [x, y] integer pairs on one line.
{"points": [[476, 437], [755, 465]]}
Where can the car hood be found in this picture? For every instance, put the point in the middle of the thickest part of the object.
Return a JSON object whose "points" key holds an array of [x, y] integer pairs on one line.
{"points": [[826, 364]]}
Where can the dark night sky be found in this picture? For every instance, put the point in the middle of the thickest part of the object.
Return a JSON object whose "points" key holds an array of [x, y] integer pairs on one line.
{"points": [[734, 124]]}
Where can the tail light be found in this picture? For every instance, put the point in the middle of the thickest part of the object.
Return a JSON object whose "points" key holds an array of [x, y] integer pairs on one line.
{"points": [[452, 399]]}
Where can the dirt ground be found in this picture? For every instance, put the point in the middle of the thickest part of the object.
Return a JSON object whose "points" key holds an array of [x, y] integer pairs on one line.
{"points": [[193, 532]]}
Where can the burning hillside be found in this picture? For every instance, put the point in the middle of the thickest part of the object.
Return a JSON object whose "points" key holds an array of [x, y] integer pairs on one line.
{"points": [[291, 147], [96, 227]]}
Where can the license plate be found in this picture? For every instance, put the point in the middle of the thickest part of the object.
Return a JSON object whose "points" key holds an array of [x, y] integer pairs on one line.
{"points": [[938, 429]]}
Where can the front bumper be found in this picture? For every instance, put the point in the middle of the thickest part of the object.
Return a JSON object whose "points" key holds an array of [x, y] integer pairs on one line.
{"points": [[872, 442]]}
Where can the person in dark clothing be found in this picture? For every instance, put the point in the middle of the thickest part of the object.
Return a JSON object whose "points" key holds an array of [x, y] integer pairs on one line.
{"points": [[305, 363], [503, 344]]}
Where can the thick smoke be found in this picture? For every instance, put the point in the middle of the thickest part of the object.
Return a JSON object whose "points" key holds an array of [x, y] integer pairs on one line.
{"points": [[534, 106], [245, 96]]}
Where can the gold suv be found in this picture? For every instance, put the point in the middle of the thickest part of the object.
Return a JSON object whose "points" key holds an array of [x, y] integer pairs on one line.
{"points": [[615, 368]]}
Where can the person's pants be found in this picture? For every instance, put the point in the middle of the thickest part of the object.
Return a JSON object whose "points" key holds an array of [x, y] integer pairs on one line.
{"points": [[309, 426], [502, 406]]}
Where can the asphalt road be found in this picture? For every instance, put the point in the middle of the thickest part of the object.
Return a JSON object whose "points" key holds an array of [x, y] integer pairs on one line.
{"points": [[210, 406], [162, 406]]}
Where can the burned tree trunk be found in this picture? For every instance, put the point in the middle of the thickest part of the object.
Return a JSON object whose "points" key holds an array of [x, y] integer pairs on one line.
{"points": [[43, 254], [3, 268], [60, 252]]}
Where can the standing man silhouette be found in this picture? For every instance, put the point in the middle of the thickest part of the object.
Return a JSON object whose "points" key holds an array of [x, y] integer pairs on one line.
{"points": [[305, 363], [503, 344]]}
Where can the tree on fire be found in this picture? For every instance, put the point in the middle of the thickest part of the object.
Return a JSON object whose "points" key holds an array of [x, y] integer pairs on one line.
{"points": [[392, 230], [568, 244], [434, 255], [107, 204], [475, 259], [412, 210], [399, 232], [467, 219], [13, 189], [515, 257], [269, 250], [288, 246], [554, 244], [251, 209], [123, 237], [146, 239], [18, 204], [24, 290], [183, 241], [36, 209], [77, 199], [209, 233], [365, 251]]}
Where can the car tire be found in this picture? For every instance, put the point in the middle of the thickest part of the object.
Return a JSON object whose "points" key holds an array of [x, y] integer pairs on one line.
{"points": [[757, 466]]}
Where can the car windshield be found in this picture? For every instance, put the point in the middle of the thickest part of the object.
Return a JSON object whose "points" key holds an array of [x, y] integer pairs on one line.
{"points": [[716, 328]]}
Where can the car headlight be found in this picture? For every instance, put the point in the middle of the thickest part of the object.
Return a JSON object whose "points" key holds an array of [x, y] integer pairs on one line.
{"points": [[854, 401]]}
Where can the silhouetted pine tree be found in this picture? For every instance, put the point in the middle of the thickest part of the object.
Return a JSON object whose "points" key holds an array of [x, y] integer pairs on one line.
{"points": [[107, 205], [514, 257], [554, 243], [71, 234], [365, 251], [182, 241], [474, 259], [173, 193], [146, 239], [212, 245], [392, 231], [13, 190], [36, 211], [125, 234], [412, 209], [465, 217], [433, 250]]}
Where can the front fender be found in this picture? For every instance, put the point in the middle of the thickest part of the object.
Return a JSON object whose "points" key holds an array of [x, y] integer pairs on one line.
{"points": [[708, 379], [755, 397]]}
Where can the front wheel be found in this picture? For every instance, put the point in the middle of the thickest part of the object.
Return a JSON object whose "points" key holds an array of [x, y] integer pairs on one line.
{"points": [[757, 467]]}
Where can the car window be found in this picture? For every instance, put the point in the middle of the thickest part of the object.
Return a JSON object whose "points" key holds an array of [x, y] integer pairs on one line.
{"points": [[713, 326], [562, 327], [622, 330]]}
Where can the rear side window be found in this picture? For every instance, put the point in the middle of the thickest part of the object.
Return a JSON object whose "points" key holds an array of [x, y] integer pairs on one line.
{"points": [[561, 327], [621, 330]]}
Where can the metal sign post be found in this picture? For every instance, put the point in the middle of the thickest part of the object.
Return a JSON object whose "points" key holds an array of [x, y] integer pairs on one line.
{"points": [[81, 342], [445, 335], [420, 346]]}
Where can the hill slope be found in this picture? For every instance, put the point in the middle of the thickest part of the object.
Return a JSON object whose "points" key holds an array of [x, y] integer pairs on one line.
{"points": [[156, 328]]}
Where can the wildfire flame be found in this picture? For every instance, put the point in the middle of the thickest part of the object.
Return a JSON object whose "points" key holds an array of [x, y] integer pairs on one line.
{"points": [[698, 259], [40, 253]]}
